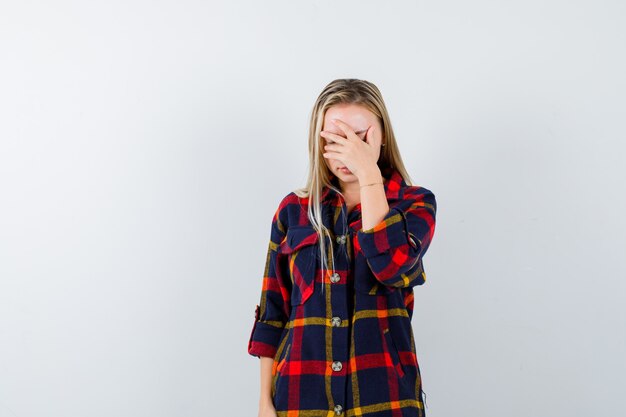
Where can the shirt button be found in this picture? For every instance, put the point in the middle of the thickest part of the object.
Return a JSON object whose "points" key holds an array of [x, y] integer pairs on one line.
{"points": [[336, 366], [336, 321], [341, 239], [334, 277], [338, 409]]}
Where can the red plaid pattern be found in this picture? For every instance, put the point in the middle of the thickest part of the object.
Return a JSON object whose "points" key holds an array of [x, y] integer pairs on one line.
{"points": [[349, 350]]}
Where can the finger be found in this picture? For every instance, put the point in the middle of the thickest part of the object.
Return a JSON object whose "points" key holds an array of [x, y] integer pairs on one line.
{"points": [[371, 137], [332, 147], [344, 127], [332, 137], [333, 155]]}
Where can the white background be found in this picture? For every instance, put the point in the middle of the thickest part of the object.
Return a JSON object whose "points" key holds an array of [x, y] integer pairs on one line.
{"points": [[144, 147]]}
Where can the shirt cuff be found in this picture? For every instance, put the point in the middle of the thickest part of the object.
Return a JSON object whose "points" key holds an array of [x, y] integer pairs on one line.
{"points": [[265, 337], [391, 232]]}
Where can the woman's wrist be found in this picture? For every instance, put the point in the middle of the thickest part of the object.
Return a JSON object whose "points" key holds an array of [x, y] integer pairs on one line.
{"points": [[371, 175], [265, 400]]}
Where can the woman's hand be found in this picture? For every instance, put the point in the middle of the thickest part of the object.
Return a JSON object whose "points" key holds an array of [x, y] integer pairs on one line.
{"points": [[359, 156], [266, 409]]}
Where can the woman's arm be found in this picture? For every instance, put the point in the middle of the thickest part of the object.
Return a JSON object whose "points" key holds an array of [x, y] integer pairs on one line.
{"points": [[266, 405], [272, 312], [266, 381], [374, 204], [396, 244]]}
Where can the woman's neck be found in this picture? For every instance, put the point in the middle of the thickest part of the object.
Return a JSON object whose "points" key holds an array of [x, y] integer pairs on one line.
{"points": [[352, 194]]}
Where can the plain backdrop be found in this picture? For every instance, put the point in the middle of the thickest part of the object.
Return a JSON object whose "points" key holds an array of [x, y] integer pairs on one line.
{"points": [[144, 147]]}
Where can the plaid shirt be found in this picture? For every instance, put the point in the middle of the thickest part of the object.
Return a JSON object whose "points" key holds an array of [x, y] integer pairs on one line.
{"points": [[349, 350]]}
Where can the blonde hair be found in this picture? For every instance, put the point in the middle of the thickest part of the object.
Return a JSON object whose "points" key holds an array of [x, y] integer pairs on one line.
{"points": [[343, 91]]}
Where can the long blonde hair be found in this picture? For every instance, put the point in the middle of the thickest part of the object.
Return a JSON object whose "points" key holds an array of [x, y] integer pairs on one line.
{"points": [[343, 91]]}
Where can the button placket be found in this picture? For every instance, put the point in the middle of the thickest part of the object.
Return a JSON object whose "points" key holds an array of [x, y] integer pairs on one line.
{"points": [[341, 241]]}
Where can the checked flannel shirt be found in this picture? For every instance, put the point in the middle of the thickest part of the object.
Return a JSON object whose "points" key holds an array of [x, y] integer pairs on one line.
{"points": [[350, 350]]}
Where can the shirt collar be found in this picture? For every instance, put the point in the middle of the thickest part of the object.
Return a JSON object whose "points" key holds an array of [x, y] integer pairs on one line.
{"points": [[393, 182]]}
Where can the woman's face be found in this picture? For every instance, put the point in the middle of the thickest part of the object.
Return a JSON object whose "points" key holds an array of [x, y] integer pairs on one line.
{"points": [[359, 119]]}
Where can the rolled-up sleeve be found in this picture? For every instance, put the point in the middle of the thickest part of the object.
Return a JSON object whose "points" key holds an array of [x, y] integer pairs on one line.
{"points": [[272, 312], [395, 246]]}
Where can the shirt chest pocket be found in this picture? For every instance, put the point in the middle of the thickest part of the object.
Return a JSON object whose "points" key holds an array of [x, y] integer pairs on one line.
{"points": [[301, 248]]}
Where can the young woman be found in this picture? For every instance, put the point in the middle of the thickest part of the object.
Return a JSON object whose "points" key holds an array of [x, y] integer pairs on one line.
{"points": [[333, 326]]}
